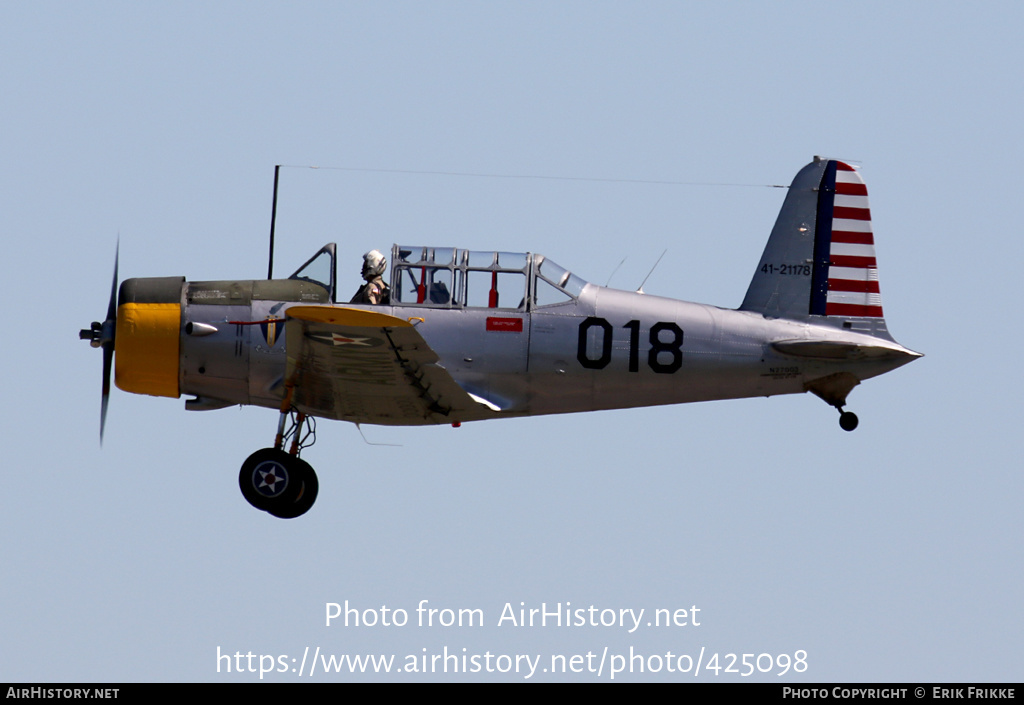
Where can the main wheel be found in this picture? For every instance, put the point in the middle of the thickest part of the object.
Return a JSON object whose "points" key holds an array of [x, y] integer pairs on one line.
{"points": [[309, 486], [269, 479]]}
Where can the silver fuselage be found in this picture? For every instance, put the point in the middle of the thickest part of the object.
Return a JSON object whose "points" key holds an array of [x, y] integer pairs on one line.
{"points": [[605, 349]]}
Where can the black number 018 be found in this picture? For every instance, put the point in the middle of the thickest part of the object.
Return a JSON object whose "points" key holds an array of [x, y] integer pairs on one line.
{"points": [[665, 355]]}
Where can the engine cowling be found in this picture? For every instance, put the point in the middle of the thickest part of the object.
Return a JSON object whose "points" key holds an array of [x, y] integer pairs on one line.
{"points": [[148, 339]]}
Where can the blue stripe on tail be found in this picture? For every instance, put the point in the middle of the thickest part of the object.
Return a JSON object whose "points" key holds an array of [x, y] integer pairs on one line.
{"points": [[823, 241]]}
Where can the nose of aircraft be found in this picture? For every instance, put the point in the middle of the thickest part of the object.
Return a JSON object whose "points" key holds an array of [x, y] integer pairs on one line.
{"points": [[142, 327], [147, 341]]}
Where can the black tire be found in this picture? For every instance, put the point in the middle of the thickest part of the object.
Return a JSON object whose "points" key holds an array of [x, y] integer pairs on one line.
{"points": [[309, 487], [848, 420], [269, 480]]}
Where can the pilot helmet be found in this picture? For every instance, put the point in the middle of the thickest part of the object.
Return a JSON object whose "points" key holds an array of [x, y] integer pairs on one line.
{"points": [[374, 264]]}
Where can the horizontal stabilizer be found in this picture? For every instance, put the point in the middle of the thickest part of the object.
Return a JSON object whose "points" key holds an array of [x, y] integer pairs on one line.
{"points": [[837, 350]]}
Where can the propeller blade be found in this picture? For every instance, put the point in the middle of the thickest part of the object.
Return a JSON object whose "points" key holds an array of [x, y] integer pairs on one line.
{"points": [[101, 335], [108, 357], [112, 306]]}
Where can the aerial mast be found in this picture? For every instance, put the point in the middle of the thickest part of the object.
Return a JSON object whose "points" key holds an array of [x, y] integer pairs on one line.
{"points": [[273, 221]]}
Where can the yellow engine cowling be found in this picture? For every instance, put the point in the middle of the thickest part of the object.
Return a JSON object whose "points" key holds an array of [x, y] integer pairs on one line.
{"points": [[148, 338]]}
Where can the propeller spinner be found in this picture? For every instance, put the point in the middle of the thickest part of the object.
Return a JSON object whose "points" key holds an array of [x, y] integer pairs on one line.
{"points": [[101, 335]]}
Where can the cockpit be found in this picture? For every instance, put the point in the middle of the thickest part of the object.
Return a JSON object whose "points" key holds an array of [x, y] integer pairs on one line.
{"points": [[447, 277]]}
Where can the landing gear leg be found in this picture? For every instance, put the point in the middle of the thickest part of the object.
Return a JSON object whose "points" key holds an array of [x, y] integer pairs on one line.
{"points": [[280, 482], [832, 389]]}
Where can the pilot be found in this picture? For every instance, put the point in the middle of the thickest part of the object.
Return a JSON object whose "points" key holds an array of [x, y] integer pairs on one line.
{"points": [[374, 291]]}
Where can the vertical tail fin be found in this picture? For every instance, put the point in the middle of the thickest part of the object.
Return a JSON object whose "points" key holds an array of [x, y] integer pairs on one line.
{"points": [[845, 281], [820, 258]]}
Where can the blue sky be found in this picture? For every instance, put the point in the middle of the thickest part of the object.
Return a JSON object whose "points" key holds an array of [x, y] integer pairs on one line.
{"points": [[889, 554]]}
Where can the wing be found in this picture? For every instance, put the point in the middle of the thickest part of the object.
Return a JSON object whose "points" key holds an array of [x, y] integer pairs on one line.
{"points": [[369, 367]]}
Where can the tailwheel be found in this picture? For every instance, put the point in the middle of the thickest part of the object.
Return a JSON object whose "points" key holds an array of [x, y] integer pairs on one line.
{"points": [[848, 420]]}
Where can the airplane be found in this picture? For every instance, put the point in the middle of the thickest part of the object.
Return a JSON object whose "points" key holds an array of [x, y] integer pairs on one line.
{"points": [[471, 335]]}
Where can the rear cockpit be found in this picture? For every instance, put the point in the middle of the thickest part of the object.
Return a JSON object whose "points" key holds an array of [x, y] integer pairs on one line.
{"points": [[447, 277]]}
